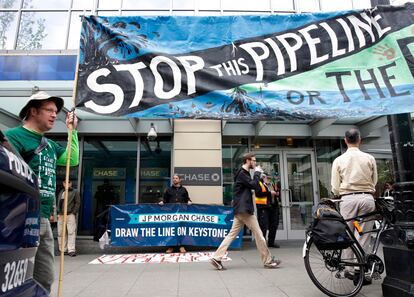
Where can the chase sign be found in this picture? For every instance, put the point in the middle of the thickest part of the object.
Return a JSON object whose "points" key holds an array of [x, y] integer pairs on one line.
{"points": [[199, 176]]}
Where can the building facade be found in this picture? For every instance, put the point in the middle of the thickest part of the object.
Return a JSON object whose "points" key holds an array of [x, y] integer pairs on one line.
{"points": [[38, 50]]}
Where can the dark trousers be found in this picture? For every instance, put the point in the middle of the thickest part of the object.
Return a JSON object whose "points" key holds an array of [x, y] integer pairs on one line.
{"points": [[268, 218]]}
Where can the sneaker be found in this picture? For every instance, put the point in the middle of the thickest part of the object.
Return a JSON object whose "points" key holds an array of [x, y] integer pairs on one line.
{"points": [[273, 264], [217, 264], [182, 249], [273, 245], [72, 254], [169, 250]]}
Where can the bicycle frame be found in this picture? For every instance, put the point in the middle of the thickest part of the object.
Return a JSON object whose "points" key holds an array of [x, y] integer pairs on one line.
{"points": [[385, 224], [337, 264]]}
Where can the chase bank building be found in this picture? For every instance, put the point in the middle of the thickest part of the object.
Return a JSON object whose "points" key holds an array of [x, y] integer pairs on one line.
{"points": [[136, 157]]}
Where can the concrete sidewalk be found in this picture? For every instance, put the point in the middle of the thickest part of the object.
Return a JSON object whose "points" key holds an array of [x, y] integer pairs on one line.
{"points": [[244, 276]]}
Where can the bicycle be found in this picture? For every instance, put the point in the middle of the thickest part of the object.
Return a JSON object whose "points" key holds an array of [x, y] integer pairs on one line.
{"points": [[331, 272]]}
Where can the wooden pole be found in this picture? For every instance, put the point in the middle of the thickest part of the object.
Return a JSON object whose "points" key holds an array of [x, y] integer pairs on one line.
{"points": [[65, 201]]}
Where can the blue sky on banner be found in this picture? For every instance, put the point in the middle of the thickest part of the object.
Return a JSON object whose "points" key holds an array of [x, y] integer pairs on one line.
{"points": [[164, 38]]}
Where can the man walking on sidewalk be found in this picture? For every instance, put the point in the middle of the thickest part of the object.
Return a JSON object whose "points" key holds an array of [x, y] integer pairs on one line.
{"points": [[244, 215]]}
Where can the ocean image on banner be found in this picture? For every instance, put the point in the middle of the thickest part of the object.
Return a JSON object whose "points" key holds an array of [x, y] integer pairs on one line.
{"points": [[278, 67]]}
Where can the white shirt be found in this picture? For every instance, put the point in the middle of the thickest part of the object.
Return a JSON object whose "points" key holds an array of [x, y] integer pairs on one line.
{"points": [[354, 171]]}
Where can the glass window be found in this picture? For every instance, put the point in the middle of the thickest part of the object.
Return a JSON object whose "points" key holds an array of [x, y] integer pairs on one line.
{"points": [[326, 152], [147, 12], [42, 30], [308, 5], [271, 163], [209, 13], [186, 12], [282, 5], [155, 169], [46, 4], [8, 27], [183, 4], [209, 5], [145, 4], [109, 4], [361, 4], [288, 142], [108, 177], [232, 160], [75, 28], [108, 13], [300, 188], [82, 4], [10, 3], [336, 5], [257, 5], [245, 12], [385, 171]]}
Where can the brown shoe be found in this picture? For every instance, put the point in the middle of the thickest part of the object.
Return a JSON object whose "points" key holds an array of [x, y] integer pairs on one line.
{"points": [[169, 250], [182, 249]]}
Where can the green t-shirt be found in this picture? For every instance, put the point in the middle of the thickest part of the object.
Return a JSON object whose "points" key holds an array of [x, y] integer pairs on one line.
{"points": [[44, 164]]}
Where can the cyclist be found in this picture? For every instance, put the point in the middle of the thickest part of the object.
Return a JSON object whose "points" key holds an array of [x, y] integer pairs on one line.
{"points": [[354, 176]]}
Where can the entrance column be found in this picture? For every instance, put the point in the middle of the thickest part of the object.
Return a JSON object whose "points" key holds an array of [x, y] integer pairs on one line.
{"points": [[197, 158]]}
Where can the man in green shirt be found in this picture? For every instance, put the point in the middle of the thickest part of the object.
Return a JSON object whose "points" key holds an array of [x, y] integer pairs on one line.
{"points": [[43, 155]]}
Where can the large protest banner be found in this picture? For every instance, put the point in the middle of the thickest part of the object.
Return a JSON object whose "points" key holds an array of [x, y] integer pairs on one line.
{"points": [[299, 66], [171, 225]]}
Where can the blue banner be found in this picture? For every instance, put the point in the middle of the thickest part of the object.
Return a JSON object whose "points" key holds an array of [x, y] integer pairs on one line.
{"points": [[171, 225], [273, 67]]}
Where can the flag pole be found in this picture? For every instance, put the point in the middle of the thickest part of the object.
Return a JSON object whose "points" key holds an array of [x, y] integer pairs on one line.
{"points": [[67, 174]]}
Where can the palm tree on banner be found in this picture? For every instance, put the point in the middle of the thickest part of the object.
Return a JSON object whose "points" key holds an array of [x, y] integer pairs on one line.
{"points": [[243, 104]]}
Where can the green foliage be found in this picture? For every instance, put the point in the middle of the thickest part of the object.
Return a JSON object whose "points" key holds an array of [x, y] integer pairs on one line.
{"points": [[31, 30], [6, 18], [385, 174]]}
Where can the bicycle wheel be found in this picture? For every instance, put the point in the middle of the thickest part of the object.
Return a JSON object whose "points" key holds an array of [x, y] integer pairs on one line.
{"points": [[332, 273]]}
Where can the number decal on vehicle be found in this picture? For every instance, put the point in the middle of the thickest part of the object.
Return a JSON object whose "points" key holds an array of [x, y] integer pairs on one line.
{"points": [[14, 274]]}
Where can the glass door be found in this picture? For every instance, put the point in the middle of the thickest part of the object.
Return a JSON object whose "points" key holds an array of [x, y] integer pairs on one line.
{"points": [[271, 162], [294, 171], [298, 191]]}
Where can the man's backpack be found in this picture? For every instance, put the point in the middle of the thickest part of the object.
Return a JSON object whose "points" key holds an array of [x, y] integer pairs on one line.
{"points": [[28, 156], [328, 228]]}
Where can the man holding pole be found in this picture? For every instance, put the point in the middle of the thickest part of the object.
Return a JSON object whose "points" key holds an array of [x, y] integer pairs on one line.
{"points": [[43, 155]]}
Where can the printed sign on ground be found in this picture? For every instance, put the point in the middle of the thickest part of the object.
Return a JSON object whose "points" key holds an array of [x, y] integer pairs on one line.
{"points": [[156, 258]]}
